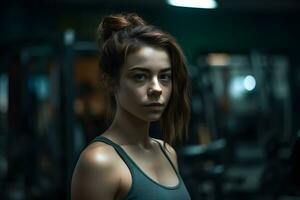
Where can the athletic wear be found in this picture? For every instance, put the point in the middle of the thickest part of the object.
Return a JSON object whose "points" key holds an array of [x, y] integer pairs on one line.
{"points": [[143, 187]]}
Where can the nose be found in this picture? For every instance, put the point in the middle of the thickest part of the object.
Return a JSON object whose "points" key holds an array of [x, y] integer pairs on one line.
{"points": [[154, 89]]}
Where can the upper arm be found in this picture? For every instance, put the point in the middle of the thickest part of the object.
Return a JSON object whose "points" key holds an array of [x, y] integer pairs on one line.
{"points": [[94, 177]]}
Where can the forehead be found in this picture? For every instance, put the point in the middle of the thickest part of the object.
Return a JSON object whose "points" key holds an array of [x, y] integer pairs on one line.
{"points": [[151, 58]]}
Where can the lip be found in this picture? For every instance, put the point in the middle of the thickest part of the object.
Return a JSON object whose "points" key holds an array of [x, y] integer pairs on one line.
{"points": [[156, 104]]}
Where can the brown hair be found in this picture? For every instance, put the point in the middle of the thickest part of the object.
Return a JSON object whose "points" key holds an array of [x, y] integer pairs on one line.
{"points": [[122, 34]]}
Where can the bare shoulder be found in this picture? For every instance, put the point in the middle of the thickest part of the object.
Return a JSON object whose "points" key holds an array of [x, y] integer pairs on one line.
{"points": [[170, 151], [99, 157], [95, 173]]}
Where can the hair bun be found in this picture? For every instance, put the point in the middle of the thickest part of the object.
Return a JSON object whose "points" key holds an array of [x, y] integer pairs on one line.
{"points": [[114, 23]]}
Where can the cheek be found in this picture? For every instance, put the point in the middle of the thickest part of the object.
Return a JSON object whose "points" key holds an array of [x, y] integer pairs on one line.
{"points": [[130, 94], [168, 92]]}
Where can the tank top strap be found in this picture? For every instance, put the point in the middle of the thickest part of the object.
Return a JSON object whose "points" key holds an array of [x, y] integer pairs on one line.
{"points": [[167, 156], [117, 148]]}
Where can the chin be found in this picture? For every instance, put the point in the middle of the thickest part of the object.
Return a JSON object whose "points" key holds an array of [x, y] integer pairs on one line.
{"points": [[148, 116], [153, 118]]}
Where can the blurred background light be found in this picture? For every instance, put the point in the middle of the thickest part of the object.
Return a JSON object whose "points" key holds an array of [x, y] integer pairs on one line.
{"points": [[218, 59], [39, 85], [249, 82], [69, 37], [240, 85], [236, 87], [207, 4]]}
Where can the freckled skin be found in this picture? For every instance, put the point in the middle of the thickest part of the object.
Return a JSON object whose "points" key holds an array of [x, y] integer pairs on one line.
{"points": [[143, 73]]}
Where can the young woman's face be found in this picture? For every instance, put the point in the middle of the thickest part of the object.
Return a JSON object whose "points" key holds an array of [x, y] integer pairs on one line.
{"points": [[145, 84]]}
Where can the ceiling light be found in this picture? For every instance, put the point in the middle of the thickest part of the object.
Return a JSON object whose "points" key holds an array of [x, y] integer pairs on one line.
{"points": [[207, 4]]}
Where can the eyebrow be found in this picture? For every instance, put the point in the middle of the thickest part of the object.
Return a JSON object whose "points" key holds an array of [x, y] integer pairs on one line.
{"points": [[147, 70]]}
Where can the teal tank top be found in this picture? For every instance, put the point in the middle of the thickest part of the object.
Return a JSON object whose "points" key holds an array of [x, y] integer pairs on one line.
{"points": [[143, 187]]}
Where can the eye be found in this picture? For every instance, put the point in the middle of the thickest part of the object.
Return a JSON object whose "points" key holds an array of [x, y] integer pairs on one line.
{"points": [[140, 77], [165, 77]]}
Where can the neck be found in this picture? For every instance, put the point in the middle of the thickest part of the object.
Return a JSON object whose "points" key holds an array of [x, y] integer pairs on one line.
{"points": [[129, 129]]}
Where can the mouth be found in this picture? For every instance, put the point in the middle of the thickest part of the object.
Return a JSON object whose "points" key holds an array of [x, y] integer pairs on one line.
{"points": [[156, 104]]}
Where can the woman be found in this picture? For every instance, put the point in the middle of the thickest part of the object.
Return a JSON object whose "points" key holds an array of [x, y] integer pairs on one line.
{"points": [[144, 71]]}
